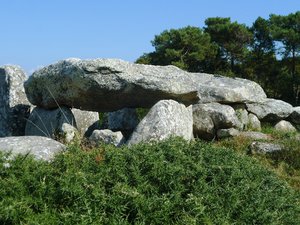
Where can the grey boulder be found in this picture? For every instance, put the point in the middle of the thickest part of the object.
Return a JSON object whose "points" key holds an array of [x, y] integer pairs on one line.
{"points": [[106, 85], [107, 137], [284, 126], [14, 106], [51, 123], [263, 148], [41, 148], [86, 121], [254, 135], [242, 115], [295, 115], [203, 125], [215, 88], [271, 110], [226, 133], [165, 119], [124, 120], [223, 116], [253, 122]]}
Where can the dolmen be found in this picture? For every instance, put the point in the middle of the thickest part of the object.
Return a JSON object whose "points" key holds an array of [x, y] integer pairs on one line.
{"points": [[66, 98]]}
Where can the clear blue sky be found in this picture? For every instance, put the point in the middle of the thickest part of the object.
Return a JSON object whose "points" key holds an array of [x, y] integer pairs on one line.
{"points": [[35, 33]]}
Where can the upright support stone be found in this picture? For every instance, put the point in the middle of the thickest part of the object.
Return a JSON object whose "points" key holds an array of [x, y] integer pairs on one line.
{"points": [[165, 119], [50, 123], [85, 121], [14, 106], [124, 120], [254, 123]]}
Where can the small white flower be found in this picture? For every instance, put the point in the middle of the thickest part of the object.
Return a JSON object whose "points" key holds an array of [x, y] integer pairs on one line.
{"points": [[6, 165]]}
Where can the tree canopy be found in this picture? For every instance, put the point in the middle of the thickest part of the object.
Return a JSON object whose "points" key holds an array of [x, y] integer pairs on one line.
{"points": [[188, 48], [231, 38], [268, 52]]}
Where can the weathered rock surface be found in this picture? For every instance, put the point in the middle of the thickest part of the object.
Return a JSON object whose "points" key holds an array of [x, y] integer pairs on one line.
{"points": [[107, 85], [254, 135], [49, 123], [117, 84], [263, 148], [85, 121], [295, 115], [107, 137], [285, 126], [227, 90], [254, 123], [14, 106], [203, 125], [271, 110], [41, 148], [124, 120], [166, 118], [223, 116], [68, 132], [242, 115], [225, 133]]}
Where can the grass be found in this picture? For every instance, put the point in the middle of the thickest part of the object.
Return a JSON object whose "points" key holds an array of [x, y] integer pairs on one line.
{"points": [[285, 164], [172, 182]]}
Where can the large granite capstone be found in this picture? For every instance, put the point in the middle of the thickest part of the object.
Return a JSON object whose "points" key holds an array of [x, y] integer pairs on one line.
{"points": [[112, 84]]}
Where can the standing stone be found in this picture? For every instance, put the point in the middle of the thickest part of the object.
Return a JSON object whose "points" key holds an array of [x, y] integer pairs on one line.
{"points": [[107, 137], [41, 148], [124, 120], [295, 116], [14, 106], [285, 126], [50, 123], [165, 119], [203, 125], [242, 116], [254, 123], [223, 116], [86, 121], [271, 110]]}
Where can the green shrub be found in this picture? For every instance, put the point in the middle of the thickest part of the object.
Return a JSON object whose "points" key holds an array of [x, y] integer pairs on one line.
{"points": [[172, 182], [286, 163]]}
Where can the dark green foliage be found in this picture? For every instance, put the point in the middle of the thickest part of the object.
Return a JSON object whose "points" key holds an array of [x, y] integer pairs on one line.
{"points": [[187, 48], [267, 52], [173, 182], [142, 112], [231, 37], [286, 29]]}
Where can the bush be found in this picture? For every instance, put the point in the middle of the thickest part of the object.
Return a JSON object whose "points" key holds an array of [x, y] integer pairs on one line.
{"points": [[172, 182], [285, 164]]}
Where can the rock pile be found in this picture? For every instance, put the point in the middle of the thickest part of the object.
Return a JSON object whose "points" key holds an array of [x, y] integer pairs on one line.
{"points": [[69, 94]]}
